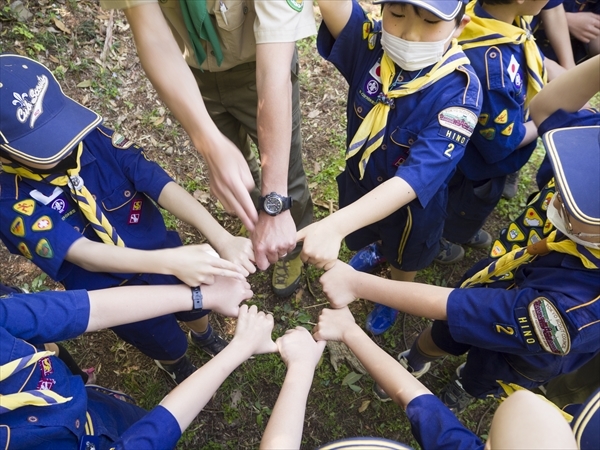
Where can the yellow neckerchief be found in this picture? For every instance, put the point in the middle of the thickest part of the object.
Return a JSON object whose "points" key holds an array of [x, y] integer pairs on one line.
{"points": [[372, 128], [498, 269], [511, 388], [35, 397], [482, 32], [81, 194]]}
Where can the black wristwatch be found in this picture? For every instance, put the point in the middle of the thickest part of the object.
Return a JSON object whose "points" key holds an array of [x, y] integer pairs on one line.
{"points": [[197, 298], [274, 203]]}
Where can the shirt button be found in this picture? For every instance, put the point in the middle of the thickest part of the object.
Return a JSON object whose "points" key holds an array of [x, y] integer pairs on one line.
{"points": [[384, 147], [245, 9], [462, 213], [94, 196], [401, 78], [411, 141], [212, 52], [359, 109], [32, 419], [493, 55], [380, 179], [76, 229], [127, 193], [77, 423]]}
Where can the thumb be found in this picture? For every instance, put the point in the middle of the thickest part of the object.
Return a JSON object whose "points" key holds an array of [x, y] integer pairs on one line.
{"points": [[300, 235]]}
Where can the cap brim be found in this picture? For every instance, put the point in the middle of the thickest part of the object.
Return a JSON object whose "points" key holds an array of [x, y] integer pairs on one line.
{"points": [[444, 9], [575, 157], [53, 140]]}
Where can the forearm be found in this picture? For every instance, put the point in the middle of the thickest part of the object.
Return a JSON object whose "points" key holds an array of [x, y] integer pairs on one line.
{"points": [[373, 206], [284, 429], [531, 134], [417, 299], [557, 30], [164, 65], [128, 304], [190, 397], [182, 205], [335, 14], [274, 113], [383, 368]]}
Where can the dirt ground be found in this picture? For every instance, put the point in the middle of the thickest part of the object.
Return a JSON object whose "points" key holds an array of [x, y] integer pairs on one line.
{"points": [[70, 37]]}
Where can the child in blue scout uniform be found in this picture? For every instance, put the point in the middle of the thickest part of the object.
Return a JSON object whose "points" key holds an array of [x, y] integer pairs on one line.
{"points": [[44, 406], [78, 200], [583, 18], [413, 103], [524, 318], [511, 69]]}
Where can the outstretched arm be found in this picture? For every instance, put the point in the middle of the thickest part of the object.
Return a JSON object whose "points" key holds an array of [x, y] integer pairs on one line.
{"points": [[301, 354], [581, 83], [336, 14], [339, 325], [230, 177], [342, 285], [557, 30]]}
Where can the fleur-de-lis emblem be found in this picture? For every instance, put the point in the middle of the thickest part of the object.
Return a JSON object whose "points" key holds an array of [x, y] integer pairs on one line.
{"points": [[20, 101]]}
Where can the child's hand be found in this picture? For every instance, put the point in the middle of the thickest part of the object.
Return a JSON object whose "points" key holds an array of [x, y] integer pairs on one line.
{"points": [[238, 250], [253, 331], [195, 265], [337, 284], [225, 295], [297, 346], [321, 243], [584, 26], [334, 324]]}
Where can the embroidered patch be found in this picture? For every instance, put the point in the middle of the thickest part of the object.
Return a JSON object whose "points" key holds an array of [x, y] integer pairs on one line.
{"points": [[24, 250], [366, 30], [76, 183], [135, 211], [372, 87], [546, 201], [526, 328], [372, 41], [488, 133], [46, 384], [375, 71], [518, 80], [134, 218], [548, 227], [483, 118], [508, 130], [45, 199], [514, 233], [498, 249], [533, 237], [453, 136], [46, 366], [43, 223], [532, 218], [458, 119], [59, 205], [137, 205], [549, 326], [502, 117], [18, 227], [26, 207], [296, 5], [120, 141], [43, 249], [513, 68]]}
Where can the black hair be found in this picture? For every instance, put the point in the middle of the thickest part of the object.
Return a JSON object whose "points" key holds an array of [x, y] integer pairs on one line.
{"points": [[497, 2]]}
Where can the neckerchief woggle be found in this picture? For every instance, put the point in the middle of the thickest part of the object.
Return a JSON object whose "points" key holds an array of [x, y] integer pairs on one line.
{"points": [[85, 200], [372, 129], [484, 32]]}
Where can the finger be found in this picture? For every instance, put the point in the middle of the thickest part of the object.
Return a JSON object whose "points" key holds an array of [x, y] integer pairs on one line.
{"points": [[300, 235], [330, 264], [243, 310], [321, 343]]}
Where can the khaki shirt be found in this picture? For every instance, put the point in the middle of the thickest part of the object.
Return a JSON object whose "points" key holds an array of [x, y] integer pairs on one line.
{"points": [[242, 25]]}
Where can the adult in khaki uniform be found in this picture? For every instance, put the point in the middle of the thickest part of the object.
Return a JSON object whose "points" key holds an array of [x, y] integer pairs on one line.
{"points": [[233, 83]]}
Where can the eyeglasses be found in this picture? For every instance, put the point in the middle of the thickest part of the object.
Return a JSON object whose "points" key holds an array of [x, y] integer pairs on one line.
{"points": [[567, 219]]}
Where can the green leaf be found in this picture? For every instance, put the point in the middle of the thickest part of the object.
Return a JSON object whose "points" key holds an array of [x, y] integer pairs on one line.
{"points": [[351, 378]]}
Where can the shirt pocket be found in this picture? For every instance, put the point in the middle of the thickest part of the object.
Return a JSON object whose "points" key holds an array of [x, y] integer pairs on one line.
{"points": [[400, 142], [120, 210], [235, 14]]}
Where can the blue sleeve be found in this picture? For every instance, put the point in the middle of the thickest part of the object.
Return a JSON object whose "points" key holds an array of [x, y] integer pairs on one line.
{"points": [[158, 429], [563, 119], [354, 47], [435, 427], [40, 234], [46, 316]]}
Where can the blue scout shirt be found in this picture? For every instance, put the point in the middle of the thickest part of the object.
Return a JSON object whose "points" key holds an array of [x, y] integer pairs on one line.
{"points": [[41, 221], [492, 151], [423, 139], [33, 319], [544, 323]]}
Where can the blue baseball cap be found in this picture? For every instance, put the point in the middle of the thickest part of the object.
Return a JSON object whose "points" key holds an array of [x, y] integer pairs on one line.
{"points": [[575, 157], [365, 443], [444, 9], [38, 122]]}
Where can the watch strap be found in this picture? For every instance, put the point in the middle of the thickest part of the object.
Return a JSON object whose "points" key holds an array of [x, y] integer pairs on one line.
{"points": [[197, 298]]}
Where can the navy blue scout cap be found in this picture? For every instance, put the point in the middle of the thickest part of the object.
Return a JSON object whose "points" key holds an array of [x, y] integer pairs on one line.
{"points": [[444, 9], [365, 443], [575, 157], [38, 122]]}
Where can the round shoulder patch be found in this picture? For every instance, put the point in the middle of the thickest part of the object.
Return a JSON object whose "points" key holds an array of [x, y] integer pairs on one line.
{"points": [[120, 141], [296, 5], [549, 326]]}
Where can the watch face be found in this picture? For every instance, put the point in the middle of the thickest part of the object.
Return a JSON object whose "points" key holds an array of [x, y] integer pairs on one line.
{"points": [[273, 204]]}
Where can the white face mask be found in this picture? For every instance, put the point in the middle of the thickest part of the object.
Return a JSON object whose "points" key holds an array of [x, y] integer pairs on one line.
{"points": [[411, 55], [561, 225]]}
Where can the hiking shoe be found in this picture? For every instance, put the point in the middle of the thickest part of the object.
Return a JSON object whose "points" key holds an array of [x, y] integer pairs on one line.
{"points": [[449, 253], [380, 394], [209, 342], [286, 276], [454, 395], [511, 185], [380, 319], [367, 258], [482, 239], [403, 360], [178, 371]]}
